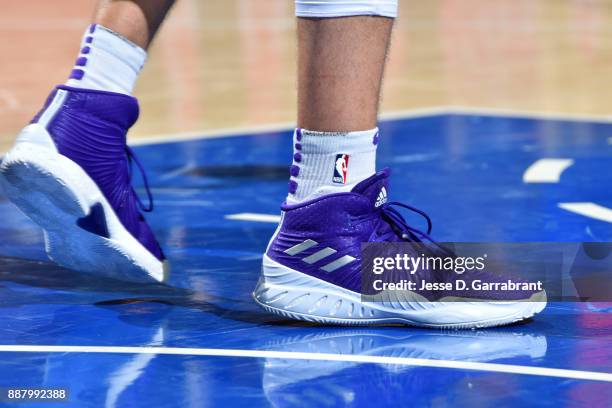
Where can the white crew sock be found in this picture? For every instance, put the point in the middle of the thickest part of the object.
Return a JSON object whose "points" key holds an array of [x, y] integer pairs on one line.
{"points": [[330, 162], [107, 62]]}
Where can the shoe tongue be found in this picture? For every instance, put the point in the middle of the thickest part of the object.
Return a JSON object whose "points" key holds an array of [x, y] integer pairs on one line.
{"points": [[375, 188]]}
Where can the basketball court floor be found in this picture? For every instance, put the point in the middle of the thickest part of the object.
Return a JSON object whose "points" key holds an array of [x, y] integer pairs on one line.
{"points": [[502, 137]]}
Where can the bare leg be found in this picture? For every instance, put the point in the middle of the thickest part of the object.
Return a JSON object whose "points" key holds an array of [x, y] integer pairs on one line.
{"points": [[136, 20], [340, 69], [341, 62]]}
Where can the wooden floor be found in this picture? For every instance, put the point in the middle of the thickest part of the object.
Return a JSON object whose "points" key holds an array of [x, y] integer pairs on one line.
{"points": [[231, 63]]}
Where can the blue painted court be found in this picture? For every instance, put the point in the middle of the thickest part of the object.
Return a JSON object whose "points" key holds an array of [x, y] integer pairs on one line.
{"points": [[215, 202]]}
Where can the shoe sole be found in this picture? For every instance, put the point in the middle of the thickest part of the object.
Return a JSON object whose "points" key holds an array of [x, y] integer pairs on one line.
{"points": [[55, 193], [293, 294]]}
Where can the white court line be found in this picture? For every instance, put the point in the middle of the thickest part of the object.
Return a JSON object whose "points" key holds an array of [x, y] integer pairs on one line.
{"points": [[290, 355], [254, 217], [546, 170], [392, 115], [210, 134], [591, 210], [527, 114], [274, 127]]}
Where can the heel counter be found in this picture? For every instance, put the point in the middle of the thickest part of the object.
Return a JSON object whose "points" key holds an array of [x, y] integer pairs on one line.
{"points": [[53, 104], [275, 234], [38, 135]]}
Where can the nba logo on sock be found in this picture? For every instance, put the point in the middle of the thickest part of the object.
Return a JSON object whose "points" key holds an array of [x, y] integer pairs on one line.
{"points": [[341, 169]]}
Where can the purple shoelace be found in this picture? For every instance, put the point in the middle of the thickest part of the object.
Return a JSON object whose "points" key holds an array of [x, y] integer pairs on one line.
{"points": [[388, 215], [133, 158], [395, 219]]}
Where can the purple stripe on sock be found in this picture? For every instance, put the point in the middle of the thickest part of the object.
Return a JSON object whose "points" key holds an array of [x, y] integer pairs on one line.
{"points": [[89, 40], [77, 74], [375, 139], [298, 134], [85, 50], [297, 157], [294, 170], [81, 62], [298, 146], [292, 187], [92, 28]]}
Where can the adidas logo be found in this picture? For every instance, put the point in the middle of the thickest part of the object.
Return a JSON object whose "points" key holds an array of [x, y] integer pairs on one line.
{"points": [[319, 255], [382, 197]]}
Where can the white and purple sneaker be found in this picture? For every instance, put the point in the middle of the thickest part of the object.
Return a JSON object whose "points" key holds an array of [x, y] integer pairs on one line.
{"points": [[312, 268], [70, 171]]}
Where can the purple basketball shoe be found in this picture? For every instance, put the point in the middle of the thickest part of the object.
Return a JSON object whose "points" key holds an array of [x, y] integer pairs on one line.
{"points": [[70, 171], [311, 268]]}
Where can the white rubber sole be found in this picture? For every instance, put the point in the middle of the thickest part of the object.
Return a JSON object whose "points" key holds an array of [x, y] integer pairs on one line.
{"points": [[55, 193], [290, 293]]}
